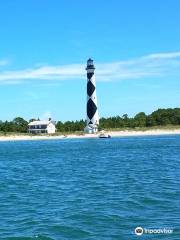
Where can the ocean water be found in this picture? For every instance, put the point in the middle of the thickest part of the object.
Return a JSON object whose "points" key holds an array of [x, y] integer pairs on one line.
{"points": [[90, 188]]}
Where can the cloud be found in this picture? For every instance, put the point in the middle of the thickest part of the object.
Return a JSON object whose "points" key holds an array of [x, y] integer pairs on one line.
{"points": [[4, 62], [153, 65], [73, 71], [164, 55]]}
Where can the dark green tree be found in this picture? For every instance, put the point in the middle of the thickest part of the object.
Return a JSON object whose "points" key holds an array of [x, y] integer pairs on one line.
{"points": [[140, 120], [20, 124]]}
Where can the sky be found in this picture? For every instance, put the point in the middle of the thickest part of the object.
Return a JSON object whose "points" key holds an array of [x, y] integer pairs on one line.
{"points": [[44, 46]]}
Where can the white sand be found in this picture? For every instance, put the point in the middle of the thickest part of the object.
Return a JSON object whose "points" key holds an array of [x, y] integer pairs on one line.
{"points": [[112, 133]]}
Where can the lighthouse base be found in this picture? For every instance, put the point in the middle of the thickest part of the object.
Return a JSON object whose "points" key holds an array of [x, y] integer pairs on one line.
{"points": [[91, 129]]}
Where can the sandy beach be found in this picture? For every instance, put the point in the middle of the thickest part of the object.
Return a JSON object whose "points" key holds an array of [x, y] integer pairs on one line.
{"points": [[72, 136]]}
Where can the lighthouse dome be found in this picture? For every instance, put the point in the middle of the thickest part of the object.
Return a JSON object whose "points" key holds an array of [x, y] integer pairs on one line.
{"points": [[89, 62]]}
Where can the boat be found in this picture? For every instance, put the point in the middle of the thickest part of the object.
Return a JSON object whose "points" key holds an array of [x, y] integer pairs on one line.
{"points": [[104, 135]]}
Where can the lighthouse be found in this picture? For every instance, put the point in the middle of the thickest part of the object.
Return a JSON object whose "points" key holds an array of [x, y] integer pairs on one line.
{"points": [[92, 118]]}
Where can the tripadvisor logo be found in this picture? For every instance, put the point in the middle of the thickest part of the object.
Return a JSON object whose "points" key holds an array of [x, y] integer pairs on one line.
{"points": [[138, 231]]}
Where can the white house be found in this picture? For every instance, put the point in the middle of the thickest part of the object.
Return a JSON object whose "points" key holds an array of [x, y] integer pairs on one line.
{"points": [[42, 127]]}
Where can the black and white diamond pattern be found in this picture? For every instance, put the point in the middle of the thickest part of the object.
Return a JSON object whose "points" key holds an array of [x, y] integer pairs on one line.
{"points": [[92, 111], [91, 108], [89, 75], [90, 88]]}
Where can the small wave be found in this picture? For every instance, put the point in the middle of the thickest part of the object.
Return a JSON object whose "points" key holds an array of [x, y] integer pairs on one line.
{"points": [[36, 237]]}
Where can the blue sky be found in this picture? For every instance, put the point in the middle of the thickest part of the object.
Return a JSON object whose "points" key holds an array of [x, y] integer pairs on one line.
{"points": [[44, 46]]}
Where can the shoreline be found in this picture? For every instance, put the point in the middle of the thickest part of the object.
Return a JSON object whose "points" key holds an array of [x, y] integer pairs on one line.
{"points": [[123, 133]]}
